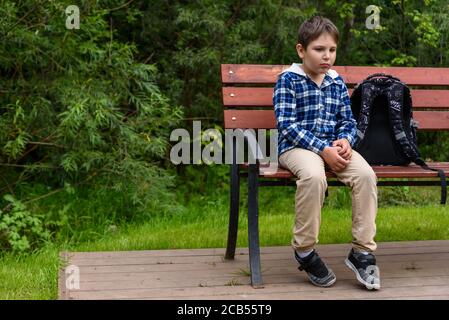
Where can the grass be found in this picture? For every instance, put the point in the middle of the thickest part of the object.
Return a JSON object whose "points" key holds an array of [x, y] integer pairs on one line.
{"points": [[30, 277], [204, 224]]}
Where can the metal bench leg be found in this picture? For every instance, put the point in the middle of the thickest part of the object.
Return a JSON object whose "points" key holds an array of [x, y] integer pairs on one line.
{"points": [[233, 212], [253, 226]]}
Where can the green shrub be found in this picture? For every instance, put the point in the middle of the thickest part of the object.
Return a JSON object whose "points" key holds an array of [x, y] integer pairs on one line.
{"points": [[77, 110], [20, 230]]}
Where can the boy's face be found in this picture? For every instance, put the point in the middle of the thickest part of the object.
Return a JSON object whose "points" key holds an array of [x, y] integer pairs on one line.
{"points": [[319, 56]]}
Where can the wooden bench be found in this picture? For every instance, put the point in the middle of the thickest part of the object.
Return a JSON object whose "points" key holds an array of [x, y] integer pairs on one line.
{"points": [[247, 99]]}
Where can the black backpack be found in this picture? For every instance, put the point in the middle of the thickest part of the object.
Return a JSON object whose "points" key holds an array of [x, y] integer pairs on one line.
{"points": [[386, 131]]}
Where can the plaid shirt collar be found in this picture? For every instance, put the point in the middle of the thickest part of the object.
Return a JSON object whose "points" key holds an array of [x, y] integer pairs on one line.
{"points": [[329, 78]]}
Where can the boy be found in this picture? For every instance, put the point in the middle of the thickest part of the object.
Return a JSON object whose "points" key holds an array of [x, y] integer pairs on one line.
{"points": [[316, 130]]}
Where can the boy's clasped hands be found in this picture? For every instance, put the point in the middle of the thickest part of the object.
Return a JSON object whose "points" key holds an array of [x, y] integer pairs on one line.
{"points": [[337, 157]]}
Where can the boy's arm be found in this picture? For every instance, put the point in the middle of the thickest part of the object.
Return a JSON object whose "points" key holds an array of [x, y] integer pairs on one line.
{"points": [[284, 100], [346, 124]]}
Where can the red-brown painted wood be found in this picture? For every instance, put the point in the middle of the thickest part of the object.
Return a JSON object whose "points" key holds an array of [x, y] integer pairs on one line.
{"points": [[411, 171], [265, 119], [263, 97], [267, 74]]}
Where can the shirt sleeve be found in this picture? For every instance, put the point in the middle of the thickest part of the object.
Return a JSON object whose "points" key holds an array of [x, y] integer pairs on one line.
{"points": [[346, 124], [284, 100]]}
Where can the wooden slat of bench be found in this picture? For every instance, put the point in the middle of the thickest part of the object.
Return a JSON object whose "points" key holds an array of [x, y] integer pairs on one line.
{"points": [[411, 171], [265, 119], [267, 74], [263, 97]]}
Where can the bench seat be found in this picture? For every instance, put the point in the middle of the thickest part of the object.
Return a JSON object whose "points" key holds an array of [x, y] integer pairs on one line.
{"points": [[410, 171]]}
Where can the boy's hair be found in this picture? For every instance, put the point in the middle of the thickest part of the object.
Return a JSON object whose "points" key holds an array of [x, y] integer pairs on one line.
{"points": [[314, 27]]}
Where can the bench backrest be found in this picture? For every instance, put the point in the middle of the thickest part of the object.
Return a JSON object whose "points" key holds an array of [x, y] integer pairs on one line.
{"points": [[248, 90]]}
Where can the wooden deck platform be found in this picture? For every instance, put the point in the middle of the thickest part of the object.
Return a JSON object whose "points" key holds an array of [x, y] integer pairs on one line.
{"points": [[409, 270]]}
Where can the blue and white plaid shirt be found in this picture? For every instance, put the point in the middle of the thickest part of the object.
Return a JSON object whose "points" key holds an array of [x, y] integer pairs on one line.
{"points": [[312, 117]]}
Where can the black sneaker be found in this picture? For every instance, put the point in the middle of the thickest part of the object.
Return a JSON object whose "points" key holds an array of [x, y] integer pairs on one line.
{"points": [[365, 268], [319, 274]]}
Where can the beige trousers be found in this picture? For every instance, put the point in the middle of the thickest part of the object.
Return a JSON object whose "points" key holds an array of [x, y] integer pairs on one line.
{"points": [[309, 168]]}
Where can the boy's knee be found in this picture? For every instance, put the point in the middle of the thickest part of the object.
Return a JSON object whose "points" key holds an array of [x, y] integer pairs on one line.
{"points": [[367, 177], [315, 178]]}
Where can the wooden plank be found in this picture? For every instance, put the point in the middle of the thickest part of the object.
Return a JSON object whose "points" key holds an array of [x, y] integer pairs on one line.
{"points": [[212, 260], [406, 172], [356, 293], [191, 276], [210, 281], [272, 275], [250, 73], [392, 267], [298, 279], [330, 249], [263, 97], [267, 74], [249, 119], [430, 98], [239, 266], [345, 289], [412, 171], [164, 283], [425, 297], [432, 120], [265, 119], [150, 253]]}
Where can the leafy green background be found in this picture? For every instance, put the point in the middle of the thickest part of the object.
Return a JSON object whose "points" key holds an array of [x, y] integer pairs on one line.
{"points": [[86, 114]]}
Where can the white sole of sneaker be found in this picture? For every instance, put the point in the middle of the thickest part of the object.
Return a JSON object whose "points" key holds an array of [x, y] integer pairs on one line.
{"points": [[369, 286], [330, 283]]}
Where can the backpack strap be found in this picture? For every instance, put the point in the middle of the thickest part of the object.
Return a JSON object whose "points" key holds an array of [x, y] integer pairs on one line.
{"points": [[441, 174], [395, 100], [395, 96], [368, 93]]}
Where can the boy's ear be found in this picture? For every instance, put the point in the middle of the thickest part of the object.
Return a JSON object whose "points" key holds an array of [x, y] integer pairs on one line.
{"points": [[300, 50]]}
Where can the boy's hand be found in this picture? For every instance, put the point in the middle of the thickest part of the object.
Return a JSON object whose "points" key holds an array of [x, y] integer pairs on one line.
{"points": [[333, 159], [346, 150]]}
